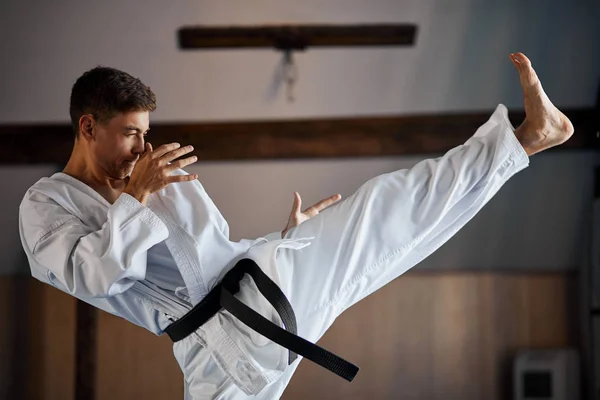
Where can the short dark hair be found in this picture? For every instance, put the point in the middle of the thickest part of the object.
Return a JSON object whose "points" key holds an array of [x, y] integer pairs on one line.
{"points": [[104, 92]]}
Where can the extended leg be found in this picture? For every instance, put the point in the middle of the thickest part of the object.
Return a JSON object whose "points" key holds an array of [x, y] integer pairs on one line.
{"points": [[396, 220]]}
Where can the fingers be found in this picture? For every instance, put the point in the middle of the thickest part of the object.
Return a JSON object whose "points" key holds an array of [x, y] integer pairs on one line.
{"points": [[170, 151], [323, 204], [297, 203], [181, 163], [181, 178], [173, 154], [165, 148]]}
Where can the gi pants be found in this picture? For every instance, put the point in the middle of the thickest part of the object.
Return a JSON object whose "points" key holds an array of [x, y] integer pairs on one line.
{"points": [[386, 227]]}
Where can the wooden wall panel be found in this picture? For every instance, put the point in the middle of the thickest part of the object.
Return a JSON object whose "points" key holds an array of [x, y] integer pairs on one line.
{"points": [[134, 363], [427, 335], [37, 341], [443, 336], [51, 353], [6, 336]]}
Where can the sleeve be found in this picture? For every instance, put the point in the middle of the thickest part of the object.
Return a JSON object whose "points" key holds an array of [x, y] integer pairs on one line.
{"points": [[88, 263], [273, 236]]}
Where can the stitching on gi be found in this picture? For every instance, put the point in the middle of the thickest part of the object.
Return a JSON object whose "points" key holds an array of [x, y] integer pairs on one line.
{"points": [[49, 230], [174, 245], [222, 351], [367, 270]]}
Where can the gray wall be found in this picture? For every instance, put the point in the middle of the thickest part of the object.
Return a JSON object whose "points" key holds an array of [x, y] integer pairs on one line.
{"points": [[460, 63]]}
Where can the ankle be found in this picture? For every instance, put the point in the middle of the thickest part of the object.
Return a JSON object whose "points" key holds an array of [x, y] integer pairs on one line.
{"points": [[526, 138]]}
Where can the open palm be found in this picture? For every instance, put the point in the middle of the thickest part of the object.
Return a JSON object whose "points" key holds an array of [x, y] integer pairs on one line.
{"points": [[297, 216]]}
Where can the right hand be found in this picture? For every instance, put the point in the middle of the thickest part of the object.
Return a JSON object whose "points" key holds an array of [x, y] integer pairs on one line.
{"points": [[152, 171]]}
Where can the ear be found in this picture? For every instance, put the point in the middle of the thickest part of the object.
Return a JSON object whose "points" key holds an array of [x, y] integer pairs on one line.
{"points": [[86, 126]]}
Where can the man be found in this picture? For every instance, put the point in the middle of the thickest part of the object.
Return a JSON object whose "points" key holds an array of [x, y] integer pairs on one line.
{"points": [[125, 229]]}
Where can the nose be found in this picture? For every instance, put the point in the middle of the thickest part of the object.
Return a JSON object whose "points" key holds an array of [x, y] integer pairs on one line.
{"points": [[138, 147]]}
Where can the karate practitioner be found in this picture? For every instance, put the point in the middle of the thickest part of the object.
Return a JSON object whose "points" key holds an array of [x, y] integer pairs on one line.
{"points": [[125, 229]]}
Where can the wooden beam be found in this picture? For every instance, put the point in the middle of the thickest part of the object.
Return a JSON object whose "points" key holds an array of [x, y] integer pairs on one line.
{"points": [[303, 138], [85, 354], [296, 37]]}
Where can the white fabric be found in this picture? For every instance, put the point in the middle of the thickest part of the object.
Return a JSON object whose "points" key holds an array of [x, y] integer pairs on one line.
{"points": [[81, 244], [98, 252]]}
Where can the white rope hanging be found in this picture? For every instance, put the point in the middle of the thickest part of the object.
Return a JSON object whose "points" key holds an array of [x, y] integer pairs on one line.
{"points": [[290, 74]]}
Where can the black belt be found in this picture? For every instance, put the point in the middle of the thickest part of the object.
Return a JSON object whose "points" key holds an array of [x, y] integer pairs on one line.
{"points": [[222, 296]]}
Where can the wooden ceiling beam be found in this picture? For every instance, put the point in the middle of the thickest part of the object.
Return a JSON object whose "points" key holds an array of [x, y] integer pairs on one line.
{"points": [[296, 37], [287, 139]]}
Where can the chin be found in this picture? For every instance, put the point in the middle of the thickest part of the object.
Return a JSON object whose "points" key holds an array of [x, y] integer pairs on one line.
{"points": [[127, 173], [123, 173], [125, 170]]}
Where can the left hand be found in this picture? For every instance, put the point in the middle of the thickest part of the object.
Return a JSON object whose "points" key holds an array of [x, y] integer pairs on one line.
{"points": [[297, 217]]}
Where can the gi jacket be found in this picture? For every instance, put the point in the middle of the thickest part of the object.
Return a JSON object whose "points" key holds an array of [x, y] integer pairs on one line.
{"points": [[81, 244]]}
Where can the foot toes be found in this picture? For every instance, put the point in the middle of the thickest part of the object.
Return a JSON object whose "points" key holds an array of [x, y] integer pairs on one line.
{"points": [[526, 72], [521, 59]]}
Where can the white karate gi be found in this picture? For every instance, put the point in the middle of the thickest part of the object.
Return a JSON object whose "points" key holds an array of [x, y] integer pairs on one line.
{"points": [[150, 265]]}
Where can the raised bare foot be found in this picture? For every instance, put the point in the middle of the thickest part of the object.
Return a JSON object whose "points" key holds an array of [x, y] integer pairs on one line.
{"points": [[544, 126]]}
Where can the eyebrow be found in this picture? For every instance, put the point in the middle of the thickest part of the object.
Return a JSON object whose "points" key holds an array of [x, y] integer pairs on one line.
{"points": [[135, 128]]}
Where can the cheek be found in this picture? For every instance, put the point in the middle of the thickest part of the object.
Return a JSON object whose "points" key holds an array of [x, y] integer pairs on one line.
{"points": [[113, 156], [121, 149]]}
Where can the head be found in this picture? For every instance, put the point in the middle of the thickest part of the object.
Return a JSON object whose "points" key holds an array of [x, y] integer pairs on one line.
{"points": [[110, 114]]}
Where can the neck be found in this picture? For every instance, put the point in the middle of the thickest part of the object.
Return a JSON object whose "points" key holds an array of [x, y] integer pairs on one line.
{"points": [[82, 167]]}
